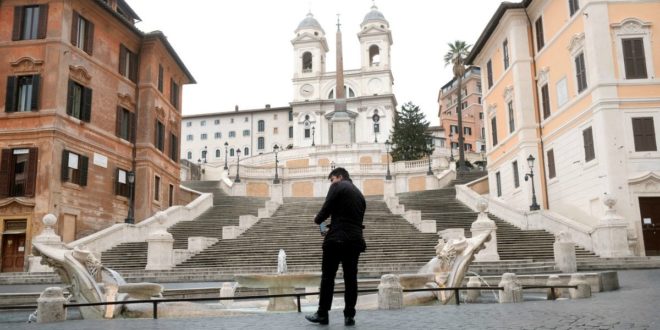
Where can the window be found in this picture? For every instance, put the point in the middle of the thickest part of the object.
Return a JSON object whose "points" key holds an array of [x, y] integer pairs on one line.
{"points": [[217, 153], [307, 133], [489, 71], [374, 55], [505, 53], [79, 101], [261, 126], [498, 181], [74, 168], [216, 122], [644, 134], [516, 178], [275, 116], [159, 137], [174, 147], [464, 105], [246, 132], [261, 143], [483, 133], [204, 155], [478, 87], [218, 135], [290, 132], [275, 130], [633, 58], [376, 127], [493, 128], [82, 33], [18, 172], [573, 6], [454, 145], [30, 22], [246, 119], [467, 130], [307, 62], [22, 93], [156, 188], [580, 72], [246, 151], [125, 124], [232, 134], [551, 164], [349, 92], [202, 123], [540, 42], [231, 121], [481, 115], [467, 146], [189, 137], [204, 136], [121, 182], [290, 115], [170, 198], [231, 152], [189, 155], [127, 63], [160, 78], [545, 99], [174, 94], [588, 139], [188, 124], [453, 128], [479, 100], [512, 117]]}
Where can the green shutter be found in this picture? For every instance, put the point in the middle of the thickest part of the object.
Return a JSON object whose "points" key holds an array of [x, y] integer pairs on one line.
{"points": [[65, 165], [10, 96], [83, 170]]}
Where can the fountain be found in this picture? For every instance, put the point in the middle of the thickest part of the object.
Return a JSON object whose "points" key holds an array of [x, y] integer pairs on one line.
{"points": [[280, 283]]}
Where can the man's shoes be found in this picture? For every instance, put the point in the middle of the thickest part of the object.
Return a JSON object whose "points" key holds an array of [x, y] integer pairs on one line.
{"points": [[316, 318], [349, 320]]}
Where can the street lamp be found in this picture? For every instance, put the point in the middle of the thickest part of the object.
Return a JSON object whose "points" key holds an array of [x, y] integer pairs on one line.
{"points": [[429, 143], [226, 150], [388, 176], [451, 147], [313, 136], [204, 154], [530, 175], [276, 148], [238, 164], [131, 187]]}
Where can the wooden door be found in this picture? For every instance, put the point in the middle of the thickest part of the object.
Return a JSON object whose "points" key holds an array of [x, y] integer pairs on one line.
{"points": [[13, 252], [649, 208]]}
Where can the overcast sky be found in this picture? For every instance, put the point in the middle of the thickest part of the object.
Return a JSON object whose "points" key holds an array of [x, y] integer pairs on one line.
{"points": [[240, 51]]}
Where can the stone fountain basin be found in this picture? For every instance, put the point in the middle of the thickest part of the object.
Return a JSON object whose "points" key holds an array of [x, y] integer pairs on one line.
{"points": [[288, 280]]}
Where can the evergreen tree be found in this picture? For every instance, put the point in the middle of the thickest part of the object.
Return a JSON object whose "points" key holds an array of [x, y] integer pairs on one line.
{"points": [[409, 139]]}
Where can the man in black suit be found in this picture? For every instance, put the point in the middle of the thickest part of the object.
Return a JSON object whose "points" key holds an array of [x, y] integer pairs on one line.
{"points": [[343, 244]]}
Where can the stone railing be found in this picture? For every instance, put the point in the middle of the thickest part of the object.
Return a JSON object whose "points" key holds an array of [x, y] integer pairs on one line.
{"points": [[538, 220], [124, 233]]}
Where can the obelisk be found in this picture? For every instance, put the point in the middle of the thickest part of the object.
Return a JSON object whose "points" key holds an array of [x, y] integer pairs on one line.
{"points": [[341, 122]]}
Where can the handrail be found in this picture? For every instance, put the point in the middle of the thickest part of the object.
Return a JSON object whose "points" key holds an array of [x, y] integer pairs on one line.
{"points": [[157, 301]]}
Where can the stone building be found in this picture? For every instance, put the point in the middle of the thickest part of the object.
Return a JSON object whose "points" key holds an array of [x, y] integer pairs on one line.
{"points": [[573, 84], [473, 123], [87, 100]]}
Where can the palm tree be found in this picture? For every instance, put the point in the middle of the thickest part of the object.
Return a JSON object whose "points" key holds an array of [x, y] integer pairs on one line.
{"points": [[456, 55]]}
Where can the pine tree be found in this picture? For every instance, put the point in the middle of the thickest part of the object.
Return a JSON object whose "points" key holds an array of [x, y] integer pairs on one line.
{"points": [[409, 139]]}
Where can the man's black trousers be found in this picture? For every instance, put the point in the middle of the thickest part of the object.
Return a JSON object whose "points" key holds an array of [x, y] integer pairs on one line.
{"points": [[335, 253]]}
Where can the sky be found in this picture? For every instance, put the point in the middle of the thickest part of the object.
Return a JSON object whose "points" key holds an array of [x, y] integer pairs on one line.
{"points": [[240, 52]]}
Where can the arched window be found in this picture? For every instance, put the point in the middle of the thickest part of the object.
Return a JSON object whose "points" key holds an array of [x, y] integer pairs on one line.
{"points": [[349, 93], [189, 156], [307, 62], [374, 55], [261, 126], [231, 152], [261, 143], [246, 151], [217, 153]]}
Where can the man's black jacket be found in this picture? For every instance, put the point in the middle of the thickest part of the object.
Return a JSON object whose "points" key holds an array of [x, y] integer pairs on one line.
{"points": [[345, 205]]}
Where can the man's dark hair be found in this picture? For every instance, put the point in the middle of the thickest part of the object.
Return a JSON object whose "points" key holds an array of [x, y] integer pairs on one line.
{"points": [[340, 171]]}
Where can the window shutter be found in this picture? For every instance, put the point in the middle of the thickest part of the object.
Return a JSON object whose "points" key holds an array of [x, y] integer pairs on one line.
{"points": [[89, 43], [117, 188], [74, 28], [644, 134], [36, 80], [65, 165], [5, 164], [43, 21], [30, 187], [132, 126], [132, 71], [551, 164], [10, 96], [156, 134], [122, 60], [86, 114], [118, 121], [69, 98], [83, 170], [587, 137], [546, 101], [18, 22], [493, 125]]}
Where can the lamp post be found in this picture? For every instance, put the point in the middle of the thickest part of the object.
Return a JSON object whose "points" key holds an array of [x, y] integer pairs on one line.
{"points": [[429, 143], [205, 153], [313, 136], [530, 161], [199, 167], [226, 150], [131, 183], [238, 164], [451, 147], [276, 148], [388, 176]]}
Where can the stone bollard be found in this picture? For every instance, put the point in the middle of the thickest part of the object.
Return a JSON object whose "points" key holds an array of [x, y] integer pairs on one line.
{"points": [[583, 288], [512, 289], [227, 290], [564, 250], [390, 292], [556, 293], [160, 252], [483, 224], [50, 306], [473, 295]]}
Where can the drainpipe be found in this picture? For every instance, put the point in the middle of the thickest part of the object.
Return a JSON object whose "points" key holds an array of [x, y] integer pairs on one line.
{"points": [[538, 115], [134, 133]]}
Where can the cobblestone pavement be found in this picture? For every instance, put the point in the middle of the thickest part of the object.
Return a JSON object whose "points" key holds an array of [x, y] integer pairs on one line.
{"points": [[634, 306]]}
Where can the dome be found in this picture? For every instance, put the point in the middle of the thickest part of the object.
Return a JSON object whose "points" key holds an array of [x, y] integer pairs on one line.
{"points": [[374, 15], [309, 23]]}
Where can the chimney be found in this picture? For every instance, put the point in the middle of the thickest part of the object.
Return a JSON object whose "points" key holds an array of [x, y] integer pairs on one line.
{"points": [[236, 107], [267, 106]]}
